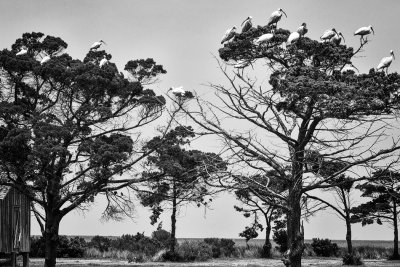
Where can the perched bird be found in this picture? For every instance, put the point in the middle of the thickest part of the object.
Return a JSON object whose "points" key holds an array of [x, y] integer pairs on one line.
{"points": [[229, 34], [178, 91], [247, 24], [275, 17], [385, 62], [364, 31], [264, 39], [302, 29], [328, 34], [96, 45], [350, 67], [103, 61], [21, 52], [45, 59], [337, 39], [294, 36]]}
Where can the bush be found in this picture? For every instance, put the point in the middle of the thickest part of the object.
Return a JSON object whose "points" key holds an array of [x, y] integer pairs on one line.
{"points": [[280, 238], [102, 243], [171, 256], [221, 247], [195, 251], [137, 243], [67, 248], [324, 247], [162, 236], [352, 259]]}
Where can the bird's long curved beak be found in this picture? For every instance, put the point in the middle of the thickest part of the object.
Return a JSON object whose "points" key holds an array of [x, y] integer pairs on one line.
{"points": [[342, 37], [244, 22], [393, 56], [284, 13], [104, 42], [372, 30]]}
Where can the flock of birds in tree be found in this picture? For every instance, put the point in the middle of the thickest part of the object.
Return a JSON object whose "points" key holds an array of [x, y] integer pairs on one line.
{"points": [[177, 91], [330, 35], [47, 57]]}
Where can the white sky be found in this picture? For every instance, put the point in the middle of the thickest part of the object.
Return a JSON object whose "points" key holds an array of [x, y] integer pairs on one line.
{"points": [[183, 35]]}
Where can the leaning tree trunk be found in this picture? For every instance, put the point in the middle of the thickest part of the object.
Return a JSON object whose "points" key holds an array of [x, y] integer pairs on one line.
{"points": [[395, 255], [50, 236], [348, 234]]}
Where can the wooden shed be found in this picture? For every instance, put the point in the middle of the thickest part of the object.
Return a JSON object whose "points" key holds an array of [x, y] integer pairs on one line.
{"points": [[15, 224]]}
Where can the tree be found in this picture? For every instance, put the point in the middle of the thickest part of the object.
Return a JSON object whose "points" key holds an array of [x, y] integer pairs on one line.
{"points": [[253, 205], [67, 130], [177, 176], [383, 189], [342, 192], [311, 104]]}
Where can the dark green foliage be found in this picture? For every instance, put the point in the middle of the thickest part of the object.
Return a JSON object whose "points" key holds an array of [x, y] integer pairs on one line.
{"points": [[352, 259], [67, 247], [221, 247], [324, 247]]}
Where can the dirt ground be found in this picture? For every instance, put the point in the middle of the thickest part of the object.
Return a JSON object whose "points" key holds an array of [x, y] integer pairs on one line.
{"points": [[215, 263]]}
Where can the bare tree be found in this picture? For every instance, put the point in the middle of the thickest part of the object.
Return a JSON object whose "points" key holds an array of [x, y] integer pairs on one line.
{"points": [[310, 104]]}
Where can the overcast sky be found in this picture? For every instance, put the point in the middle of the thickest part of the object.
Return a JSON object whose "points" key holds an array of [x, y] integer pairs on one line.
{"points": [[183, 35]]}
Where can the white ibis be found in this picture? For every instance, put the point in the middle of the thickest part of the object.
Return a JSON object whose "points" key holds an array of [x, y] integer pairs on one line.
{"points": [[264, 39], [364, 31], [103, 61], [22, 52], [229, 34], [96, 45], [247, 24], [337, 39], [178, 91], [350, 67], [385, 62], [302, 29], [45, 59], [275, 17], [328, 34], [294, 36]]}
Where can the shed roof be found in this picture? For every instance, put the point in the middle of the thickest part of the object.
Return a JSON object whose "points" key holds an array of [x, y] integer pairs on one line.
{"points": [[4, 191]]}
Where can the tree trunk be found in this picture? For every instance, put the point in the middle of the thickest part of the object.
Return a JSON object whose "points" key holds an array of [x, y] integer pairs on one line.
{"points": [[395, 255], [51, 238], [267, 245], [348, 235], [295, 232], [173, 222]]}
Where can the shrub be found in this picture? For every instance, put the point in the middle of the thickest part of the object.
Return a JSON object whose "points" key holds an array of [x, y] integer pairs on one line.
{"points": [[195, 251], [67, 248], [280, 238], [37, 247], [227, 247], [171, 256], [221, 247], [324, 247], [352, 259], [102, 243], [162, 236], [137, 243]]}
